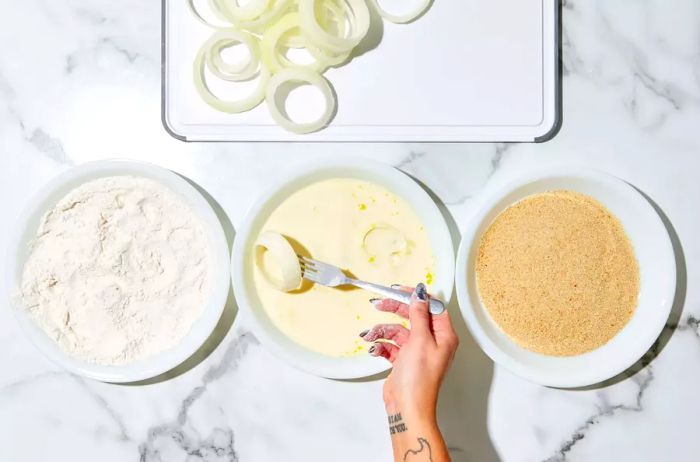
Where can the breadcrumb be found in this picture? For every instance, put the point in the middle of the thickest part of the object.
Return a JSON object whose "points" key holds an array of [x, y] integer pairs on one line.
{"points": [[558, 274]]}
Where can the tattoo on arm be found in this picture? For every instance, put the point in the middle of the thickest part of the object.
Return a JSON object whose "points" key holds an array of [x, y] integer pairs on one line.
{"points": [[396, 424], [422, 454]]}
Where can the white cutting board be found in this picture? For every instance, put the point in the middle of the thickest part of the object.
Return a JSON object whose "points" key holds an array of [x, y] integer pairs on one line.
{"points": [[469, 70]]}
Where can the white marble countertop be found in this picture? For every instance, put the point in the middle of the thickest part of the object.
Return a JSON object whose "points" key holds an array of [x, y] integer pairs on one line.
{"points": [[80, 80]]}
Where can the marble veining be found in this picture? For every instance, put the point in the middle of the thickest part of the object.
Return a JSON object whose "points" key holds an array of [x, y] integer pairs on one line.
{"points": [[605, 410], [80, 80], [221, 441]]}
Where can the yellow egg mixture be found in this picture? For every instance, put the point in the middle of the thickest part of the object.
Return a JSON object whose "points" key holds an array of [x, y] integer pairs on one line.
{"points": [[364, 229]]}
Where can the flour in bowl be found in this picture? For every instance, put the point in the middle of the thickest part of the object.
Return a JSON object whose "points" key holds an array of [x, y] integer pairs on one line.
{"points": [[119, 270]]}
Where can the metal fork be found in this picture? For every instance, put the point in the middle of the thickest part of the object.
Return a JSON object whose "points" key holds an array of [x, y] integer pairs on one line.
{"points": [[332, 276]]}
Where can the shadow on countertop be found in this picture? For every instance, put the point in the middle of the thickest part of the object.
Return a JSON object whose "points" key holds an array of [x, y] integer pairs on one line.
{"points": [[464, 397], [227, 317]]}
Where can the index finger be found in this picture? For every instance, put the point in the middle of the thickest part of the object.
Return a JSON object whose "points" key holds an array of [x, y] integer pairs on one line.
{"points": [[392, 306]]}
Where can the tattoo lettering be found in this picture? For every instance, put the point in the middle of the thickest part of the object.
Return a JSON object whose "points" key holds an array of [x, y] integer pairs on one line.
{"points": [[396, 424], [422, 454]]}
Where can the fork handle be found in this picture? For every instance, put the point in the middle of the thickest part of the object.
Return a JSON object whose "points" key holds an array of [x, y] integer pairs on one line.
{"points": [[436, 306]]}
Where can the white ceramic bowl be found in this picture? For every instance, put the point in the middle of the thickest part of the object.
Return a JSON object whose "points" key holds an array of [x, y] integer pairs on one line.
{"points": [[654, 252], [242, 259], [19, 251]]}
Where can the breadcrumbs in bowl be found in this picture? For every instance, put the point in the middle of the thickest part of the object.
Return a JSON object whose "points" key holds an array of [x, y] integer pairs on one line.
{"points": [[558, 274]]}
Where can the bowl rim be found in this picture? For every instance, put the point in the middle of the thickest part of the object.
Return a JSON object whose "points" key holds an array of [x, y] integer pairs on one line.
{"points": [[283, 348], [621, 359], [201, 329]]}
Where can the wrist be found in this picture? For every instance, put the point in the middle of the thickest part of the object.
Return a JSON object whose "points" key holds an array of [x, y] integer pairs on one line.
{"points": [[420, 417], [424, 411]]}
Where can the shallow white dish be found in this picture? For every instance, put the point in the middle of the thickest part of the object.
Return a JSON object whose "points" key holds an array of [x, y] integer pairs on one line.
{"points": [[242, 258], [19, 250], [655, 255]]}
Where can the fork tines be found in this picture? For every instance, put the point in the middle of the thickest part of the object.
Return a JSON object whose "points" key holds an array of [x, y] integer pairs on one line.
{"points": [[307, 265]]}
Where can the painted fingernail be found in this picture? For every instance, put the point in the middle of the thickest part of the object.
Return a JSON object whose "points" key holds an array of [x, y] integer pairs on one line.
{"points": [[421, 292], [375, 301], [364, 332], [372, 349]]}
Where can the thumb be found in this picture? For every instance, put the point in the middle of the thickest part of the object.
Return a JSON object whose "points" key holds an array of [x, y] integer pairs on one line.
{"points": [[418, 312]]}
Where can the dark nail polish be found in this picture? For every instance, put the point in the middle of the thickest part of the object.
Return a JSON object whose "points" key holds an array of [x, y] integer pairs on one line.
{"points": [[421, 292], [372, 349], [364, 332]]}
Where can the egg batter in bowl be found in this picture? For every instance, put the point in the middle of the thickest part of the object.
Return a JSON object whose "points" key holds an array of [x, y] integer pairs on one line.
{"points": [[361, 227]]}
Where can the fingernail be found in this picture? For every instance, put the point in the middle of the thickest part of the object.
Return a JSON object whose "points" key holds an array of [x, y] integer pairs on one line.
{"points": [[395, 286], [421, 292], [372, 349], [364, 332], [375, 301]]}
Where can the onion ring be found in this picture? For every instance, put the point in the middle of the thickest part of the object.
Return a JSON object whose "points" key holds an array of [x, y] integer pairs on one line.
{"points": [[331, 13], [300, 75], [269, 51], [242, 105], [276, 11], [215, 9], [232, 72], [285, 258], [327, 58], [251, 10], [402, 18], [317, 35], [293, 41]]}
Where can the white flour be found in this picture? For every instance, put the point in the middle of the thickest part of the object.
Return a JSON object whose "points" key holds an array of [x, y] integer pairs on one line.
{"points": [[119, 270]]}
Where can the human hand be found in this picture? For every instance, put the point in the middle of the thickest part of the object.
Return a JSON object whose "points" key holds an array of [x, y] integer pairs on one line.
{"points": [[420, 356]]}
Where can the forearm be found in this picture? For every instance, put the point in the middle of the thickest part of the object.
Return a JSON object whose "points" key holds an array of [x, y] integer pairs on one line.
{"points": [[416, 439]]}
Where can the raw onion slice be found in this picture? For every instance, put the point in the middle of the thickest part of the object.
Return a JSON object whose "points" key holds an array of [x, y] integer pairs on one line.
{"points": [[297, 75], [330, 13], [237, 12], [293, 41], [270, 51], [285, 258], [238, 72], [358, 18], [208, 22], [287, 33], [405, 17], [277, 9], [242, 105], [328, 58]]}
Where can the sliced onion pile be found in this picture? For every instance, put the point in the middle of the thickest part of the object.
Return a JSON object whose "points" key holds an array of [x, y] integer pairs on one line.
{"points": [[329, 31]]}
